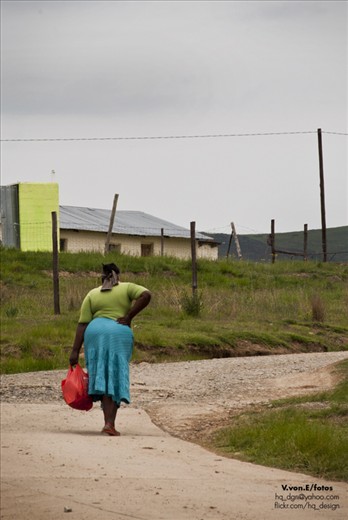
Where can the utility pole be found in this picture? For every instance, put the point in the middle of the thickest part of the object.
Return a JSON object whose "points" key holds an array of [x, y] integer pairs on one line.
{"points": [[322, 196]]}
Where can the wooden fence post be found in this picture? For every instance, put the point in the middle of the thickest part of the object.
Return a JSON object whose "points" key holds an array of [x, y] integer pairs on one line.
{"points": [[273, 241], [229, 244], [162, 241], [193, 257], [55, 263], [234, 232], [305, 242], [235, 237], [111, 224]]}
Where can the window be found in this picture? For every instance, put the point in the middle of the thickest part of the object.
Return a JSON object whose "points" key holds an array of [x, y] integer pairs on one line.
{"points": [[115, 247], [146, 249]]}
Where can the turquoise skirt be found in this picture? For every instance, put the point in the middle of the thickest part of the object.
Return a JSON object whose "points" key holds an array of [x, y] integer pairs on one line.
{"points": [[108, 350]]}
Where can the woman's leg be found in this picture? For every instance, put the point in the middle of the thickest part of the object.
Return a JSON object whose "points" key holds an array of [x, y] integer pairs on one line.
{"points": [[110, 410]]}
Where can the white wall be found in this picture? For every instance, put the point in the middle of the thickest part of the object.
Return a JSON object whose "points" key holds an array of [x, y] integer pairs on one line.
{"points": [[77, 241]]}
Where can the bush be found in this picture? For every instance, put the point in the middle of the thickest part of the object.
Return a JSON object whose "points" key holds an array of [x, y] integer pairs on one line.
{"points": [[192, 305]]}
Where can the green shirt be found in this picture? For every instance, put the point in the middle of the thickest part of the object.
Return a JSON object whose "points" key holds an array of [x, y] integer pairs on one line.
{"points": [[109, 304]]}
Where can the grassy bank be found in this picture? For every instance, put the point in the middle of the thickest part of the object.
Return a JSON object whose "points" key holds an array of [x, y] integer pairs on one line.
{"points": [[242, 308], [307, 434]]}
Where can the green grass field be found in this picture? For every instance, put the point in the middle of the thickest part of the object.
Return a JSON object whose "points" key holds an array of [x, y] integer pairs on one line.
{"points": [[307, 434], [240, 307]]}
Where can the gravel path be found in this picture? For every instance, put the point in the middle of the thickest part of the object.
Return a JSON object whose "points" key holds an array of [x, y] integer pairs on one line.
{"points": [[189, 398], [55, 460]]}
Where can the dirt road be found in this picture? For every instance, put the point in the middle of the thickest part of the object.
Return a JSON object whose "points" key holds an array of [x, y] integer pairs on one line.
{"points": [[57, 465]]}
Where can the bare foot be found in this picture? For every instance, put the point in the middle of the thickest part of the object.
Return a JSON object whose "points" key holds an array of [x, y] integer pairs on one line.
{"points": [[110, 430]]}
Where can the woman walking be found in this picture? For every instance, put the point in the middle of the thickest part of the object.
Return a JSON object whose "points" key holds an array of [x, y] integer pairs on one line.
{"points": [[104, 329]]}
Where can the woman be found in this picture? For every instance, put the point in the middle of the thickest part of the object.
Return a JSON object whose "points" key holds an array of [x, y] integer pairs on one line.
{"points": [[104, 329]]}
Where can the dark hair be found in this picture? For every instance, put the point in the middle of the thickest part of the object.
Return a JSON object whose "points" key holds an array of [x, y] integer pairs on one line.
{"points": [[108, 268]]}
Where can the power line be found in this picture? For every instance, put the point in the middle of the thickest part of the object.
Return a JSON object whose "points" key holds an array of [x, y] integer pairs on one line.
{"points": [[206, 136], [153, 137], [335, 133]]}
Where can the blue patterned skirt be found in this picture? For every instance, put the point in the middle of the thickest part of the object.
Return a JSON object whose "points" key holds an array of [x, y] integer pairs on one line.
{"points": [[108, 349]]}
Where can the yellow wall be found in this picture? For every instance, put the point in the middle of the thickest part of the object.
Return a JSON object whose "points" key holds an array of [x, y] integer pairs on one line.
{"points": [[37, 201]]}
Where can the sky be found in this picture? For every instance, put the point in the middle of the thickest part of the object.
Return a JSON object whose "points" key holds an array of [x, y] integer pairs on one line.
{"points": [[260, 78]]}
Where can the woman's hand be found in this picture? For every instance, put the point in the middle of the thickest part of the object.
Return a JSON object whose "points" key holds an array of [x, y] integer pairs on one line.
{"points": [[74, 358], [125, 320], [139, 304], [79, 335]]}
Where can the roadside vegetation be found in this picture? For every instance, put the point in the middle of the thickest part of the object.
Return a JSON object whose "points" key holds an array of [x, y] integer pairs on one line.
{"points": [[307, 434], [240, 308]]}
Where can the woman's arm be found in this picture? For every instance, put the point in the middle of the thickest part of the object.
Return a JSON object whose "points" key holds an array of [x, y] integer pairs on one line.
{"points": [[79, 335], [139, 304]]}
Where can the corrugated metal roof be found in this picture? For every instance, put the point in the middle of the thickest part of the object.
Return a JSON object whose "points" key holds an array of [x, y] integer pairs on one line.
{"points": [[126, 223]]}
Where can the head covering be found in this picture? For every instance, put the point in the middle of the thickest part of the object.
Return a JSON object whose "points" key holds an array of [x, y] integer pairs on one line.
{"points": [[109, 276]]}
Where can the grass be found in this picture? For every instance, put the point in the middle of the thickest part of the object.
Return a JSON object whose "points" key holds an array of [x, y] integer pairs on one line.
{"points": [[308, 434], [285, 307]]}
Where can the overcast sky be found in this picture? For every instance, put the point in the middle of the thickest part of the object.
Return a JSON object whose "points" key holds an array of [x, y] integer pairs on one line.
{"points": [[117, 69]]}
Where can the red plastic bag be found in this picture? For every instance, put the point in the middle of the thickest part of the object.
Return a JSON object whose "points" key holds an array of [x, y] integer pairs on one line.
{"points": [[75, 389]]}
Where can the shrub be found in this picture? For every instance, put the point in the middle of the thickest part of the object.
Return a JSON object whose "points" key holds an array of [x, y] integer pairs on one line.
{"points": [[191, 305], [12, 312]]}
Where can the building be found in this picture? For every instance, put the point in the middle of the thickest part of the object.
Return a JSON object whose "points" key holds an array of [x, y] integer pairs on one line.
{"points": [[133, 233], [25, 215], [26, 223]]}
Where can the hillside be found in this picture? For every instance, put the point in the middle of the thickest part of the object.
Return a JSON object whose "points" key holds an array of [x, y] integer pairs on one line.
{"points": [[240, 308], [255, 247]]}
